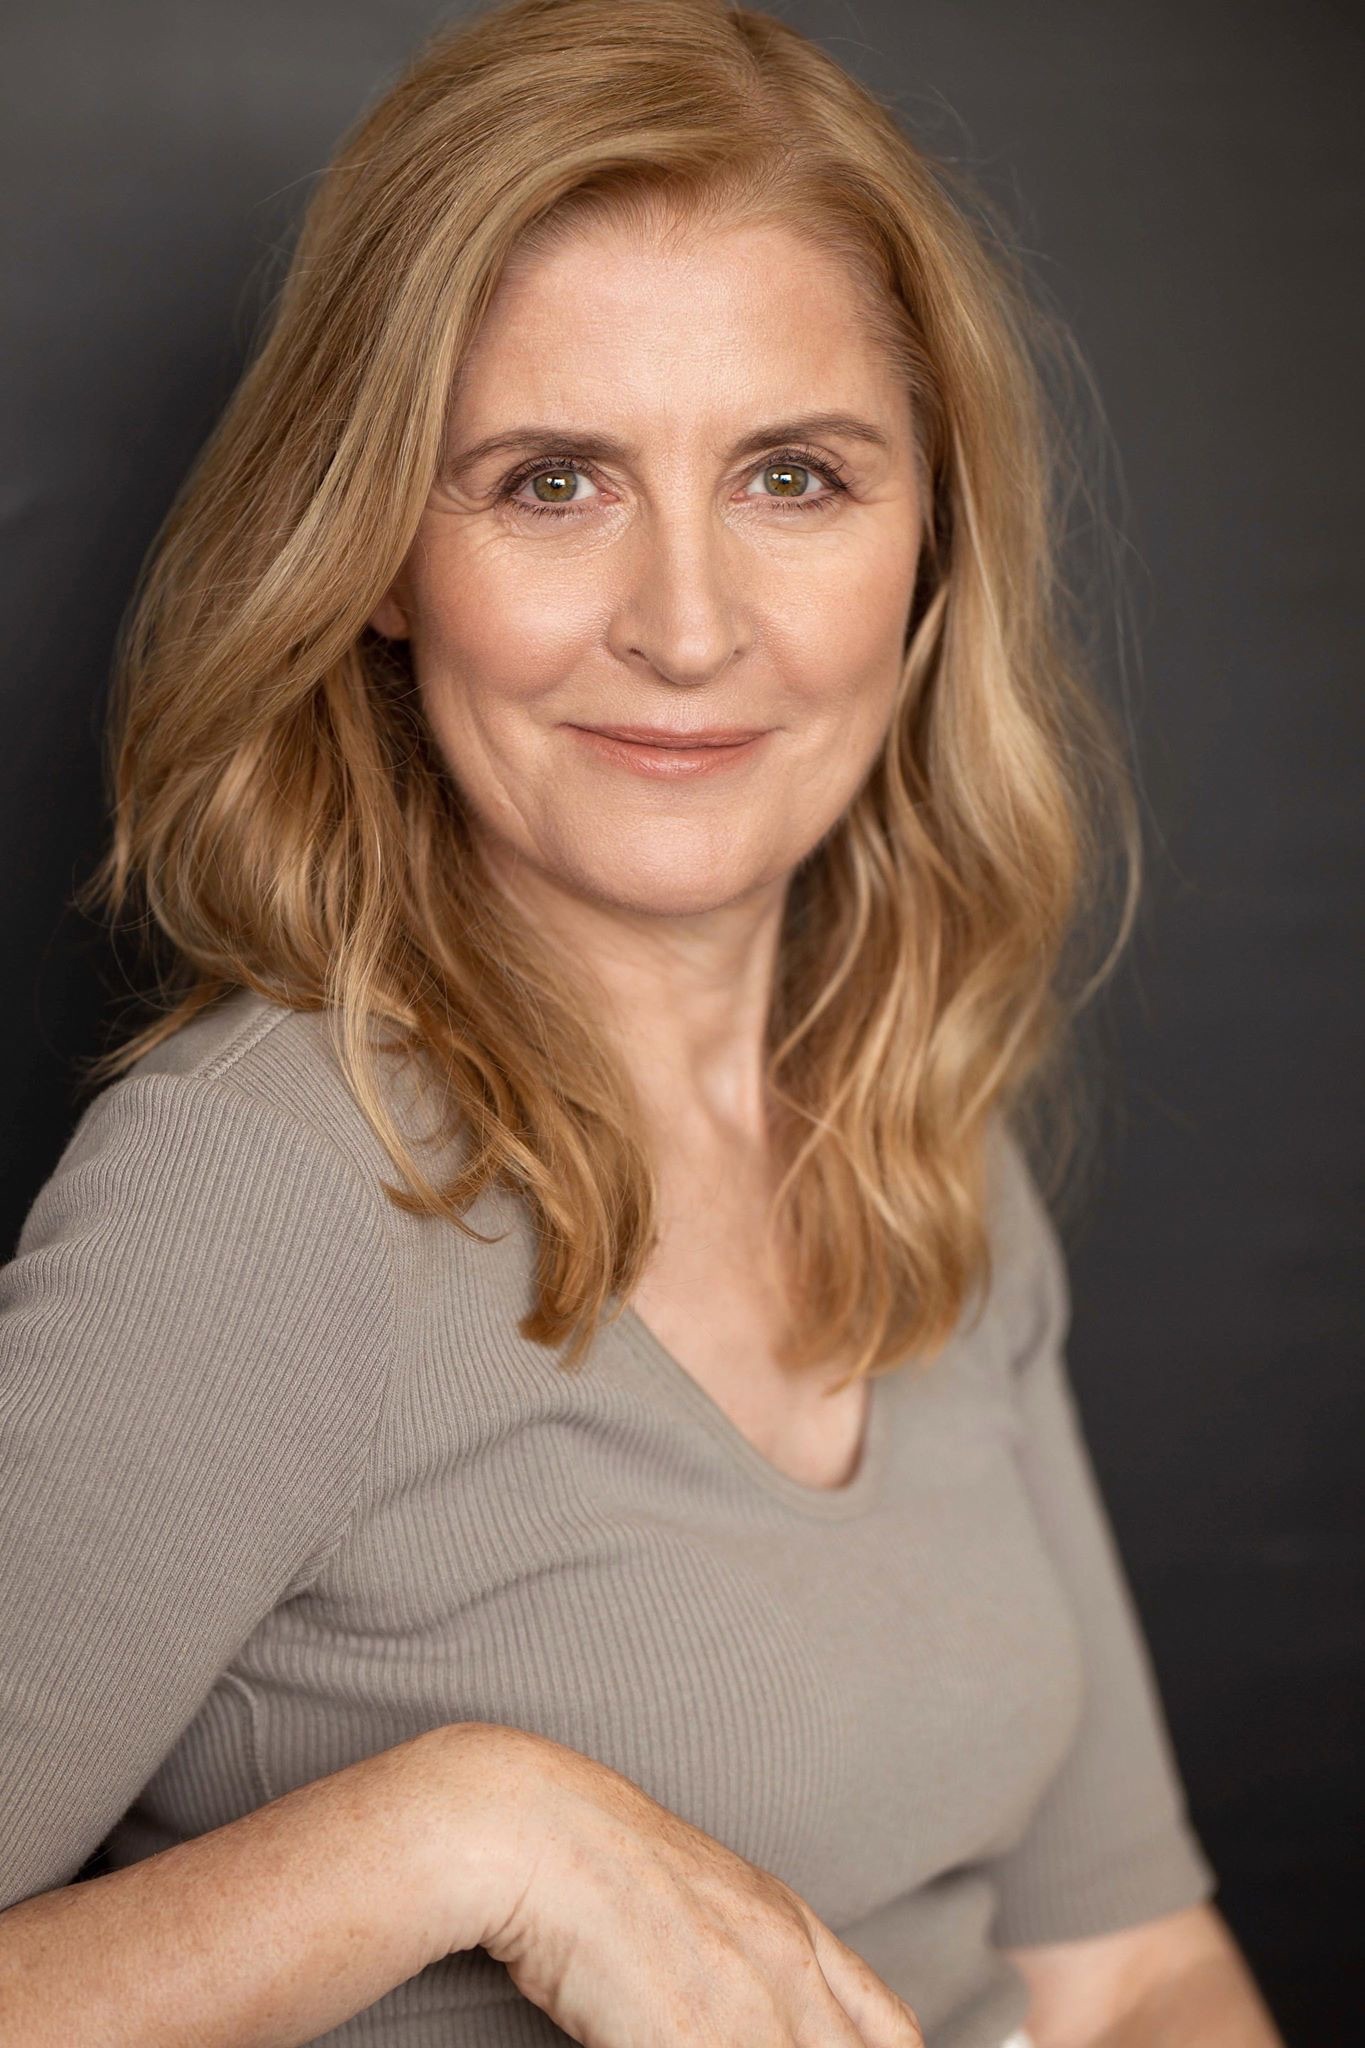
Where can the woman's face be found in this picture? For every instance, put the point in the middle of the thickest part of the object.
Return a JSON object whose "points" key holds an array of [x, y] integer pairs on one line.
{"points": [[679, 494]]}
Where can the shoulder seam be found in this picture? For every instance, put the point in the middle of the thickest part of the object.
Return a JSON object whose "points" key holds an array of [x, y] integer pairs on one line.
{"points": [[216, 1077], [387, 1381], [242, 1041]]}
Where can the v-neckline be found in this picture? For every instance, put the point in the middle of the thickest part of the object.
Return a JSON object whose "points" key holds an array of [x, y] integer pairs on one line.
{"points": [[831, 1503]]}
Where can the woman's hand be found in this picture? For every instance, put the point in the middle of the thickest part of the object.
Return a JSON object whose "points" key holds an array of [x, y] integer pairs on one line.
{"points": [[628, 1924]]}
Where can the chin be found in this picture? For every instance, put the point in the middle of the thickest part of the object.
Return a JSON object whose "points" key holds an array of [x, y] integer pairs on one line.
{"points": [[691, 892], [674, 900], [653, 869]]}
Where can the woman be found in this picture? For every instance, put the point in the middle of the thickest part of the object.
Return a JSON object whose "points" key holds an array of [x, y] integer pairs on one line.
{"points": [[541, 1487]]}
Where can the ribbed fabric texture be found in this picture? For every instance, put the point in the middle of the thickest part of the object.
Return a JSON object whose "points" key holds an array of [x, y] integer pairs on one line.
{"points": [[281, 1485]]}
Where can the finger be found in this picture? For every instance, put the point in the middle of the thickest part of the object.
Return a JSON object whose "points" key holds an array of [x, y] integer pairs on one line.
{"points": [[820, 2018], [882, 2019]]}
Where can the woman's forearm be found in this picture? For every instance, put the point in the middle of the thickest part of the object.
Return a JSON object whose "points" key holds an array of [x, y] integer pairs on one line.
{"points": [[1211, 2004], [268, 1931]]}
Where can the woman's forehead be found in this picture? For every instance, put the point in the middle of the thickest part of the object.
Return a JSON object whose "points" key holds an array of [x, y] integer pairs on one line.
{"points": [[743, 327]]}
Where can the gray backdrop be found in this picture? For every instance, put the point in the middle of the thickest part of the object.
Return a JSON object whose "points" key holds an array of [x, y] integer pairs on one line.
{"points": [[1187, 182]]}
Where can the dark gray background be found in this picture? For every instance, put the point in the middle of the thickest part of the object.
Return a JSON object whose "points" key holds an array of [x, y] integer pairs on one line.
{"points": [[1186, 181]]}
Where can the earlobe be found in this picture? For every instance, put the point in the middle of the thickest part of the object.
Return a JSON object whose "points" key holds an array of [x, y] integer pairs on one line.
{"points": [[389, 618]]}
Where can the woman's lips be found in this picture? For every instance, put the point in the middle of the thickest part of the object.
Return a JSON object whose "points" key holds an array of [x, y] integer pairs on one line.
{"points": [[666, 759]]}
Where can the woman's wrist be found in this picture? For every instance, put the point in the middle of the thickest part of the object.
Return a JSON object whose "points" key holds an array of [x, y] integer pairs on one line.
{"points": [[474, 1846]]}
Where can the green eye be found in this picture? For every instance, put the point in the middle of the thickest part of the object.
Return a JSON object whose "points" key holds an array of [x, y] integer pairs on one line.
{"points": [[560, 482], [786, 481], [792, 478]]}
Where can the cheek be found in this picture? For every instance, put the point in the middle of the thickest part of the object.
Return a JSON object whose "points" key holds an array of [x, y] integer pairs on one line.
{"points": [[840, 634], [501, 633]]}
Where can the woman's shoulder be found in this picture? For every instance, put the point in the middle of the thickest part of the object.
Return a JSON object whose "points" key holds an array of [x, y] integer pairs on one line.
{"points": [[205, 1251], [256, 1062], [198, 1332], [233, 1144]]}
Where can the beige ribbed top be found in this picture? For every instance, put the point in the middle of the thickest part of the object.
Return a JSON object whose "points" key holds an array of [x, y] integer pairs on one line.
{"points": [[281, 1485]]}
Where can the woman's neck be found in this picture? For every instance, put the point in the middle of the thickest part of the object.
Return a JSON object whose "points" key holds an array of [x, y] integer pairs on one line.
{"points": [[686, 999]]}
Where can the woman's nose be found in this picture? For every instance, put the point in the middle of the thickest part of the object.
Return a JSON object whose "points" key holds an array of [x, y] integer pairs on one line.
{"points": [[680, 607]]}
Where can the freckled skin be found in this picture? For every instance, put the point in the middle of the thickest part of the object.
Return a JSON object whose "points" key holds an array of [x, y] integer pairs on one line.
{"points": [[683, 588]]}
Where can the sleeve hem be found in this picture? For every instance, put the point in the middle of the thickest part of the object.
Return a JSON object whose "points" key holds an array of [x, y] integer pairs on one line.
{"points": [[1172, 1875]]}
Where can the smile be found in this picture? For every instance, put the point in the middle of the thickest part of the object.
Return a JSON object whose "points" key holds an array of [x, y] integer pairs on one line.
{"points": [[669, 759]]}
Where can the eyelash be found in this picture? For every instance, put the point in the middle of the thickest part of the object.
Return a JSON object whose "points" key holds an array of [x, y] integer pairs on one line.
{"points": [[803, 459]]}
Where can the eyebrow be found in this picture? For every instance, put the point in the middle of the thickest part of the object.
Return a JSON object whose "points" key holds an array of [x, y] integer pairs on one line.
{"points": [[808, 426]]}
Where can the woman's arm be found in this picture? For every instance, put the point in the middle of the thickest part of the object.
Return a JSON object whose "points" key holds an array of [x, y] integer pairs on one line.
{"points": [[1172, 1982], [1210, 2004], [268, 1931]]}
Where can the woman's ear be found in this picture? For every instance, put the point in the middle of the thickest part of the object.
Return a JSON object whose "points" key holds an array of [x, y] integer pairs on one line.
{"points": [[389, 617]]}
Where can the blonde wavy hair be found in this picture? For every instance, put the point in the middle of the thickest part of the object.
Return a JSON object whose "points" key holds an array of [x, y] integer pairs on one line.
{"points": [[281, 813]]}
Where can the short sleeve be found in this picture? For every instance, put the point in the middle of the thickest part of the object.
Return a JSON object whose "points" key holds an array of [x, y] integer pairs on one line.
{"points": [[194, 1340], [1110, 1844]]}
